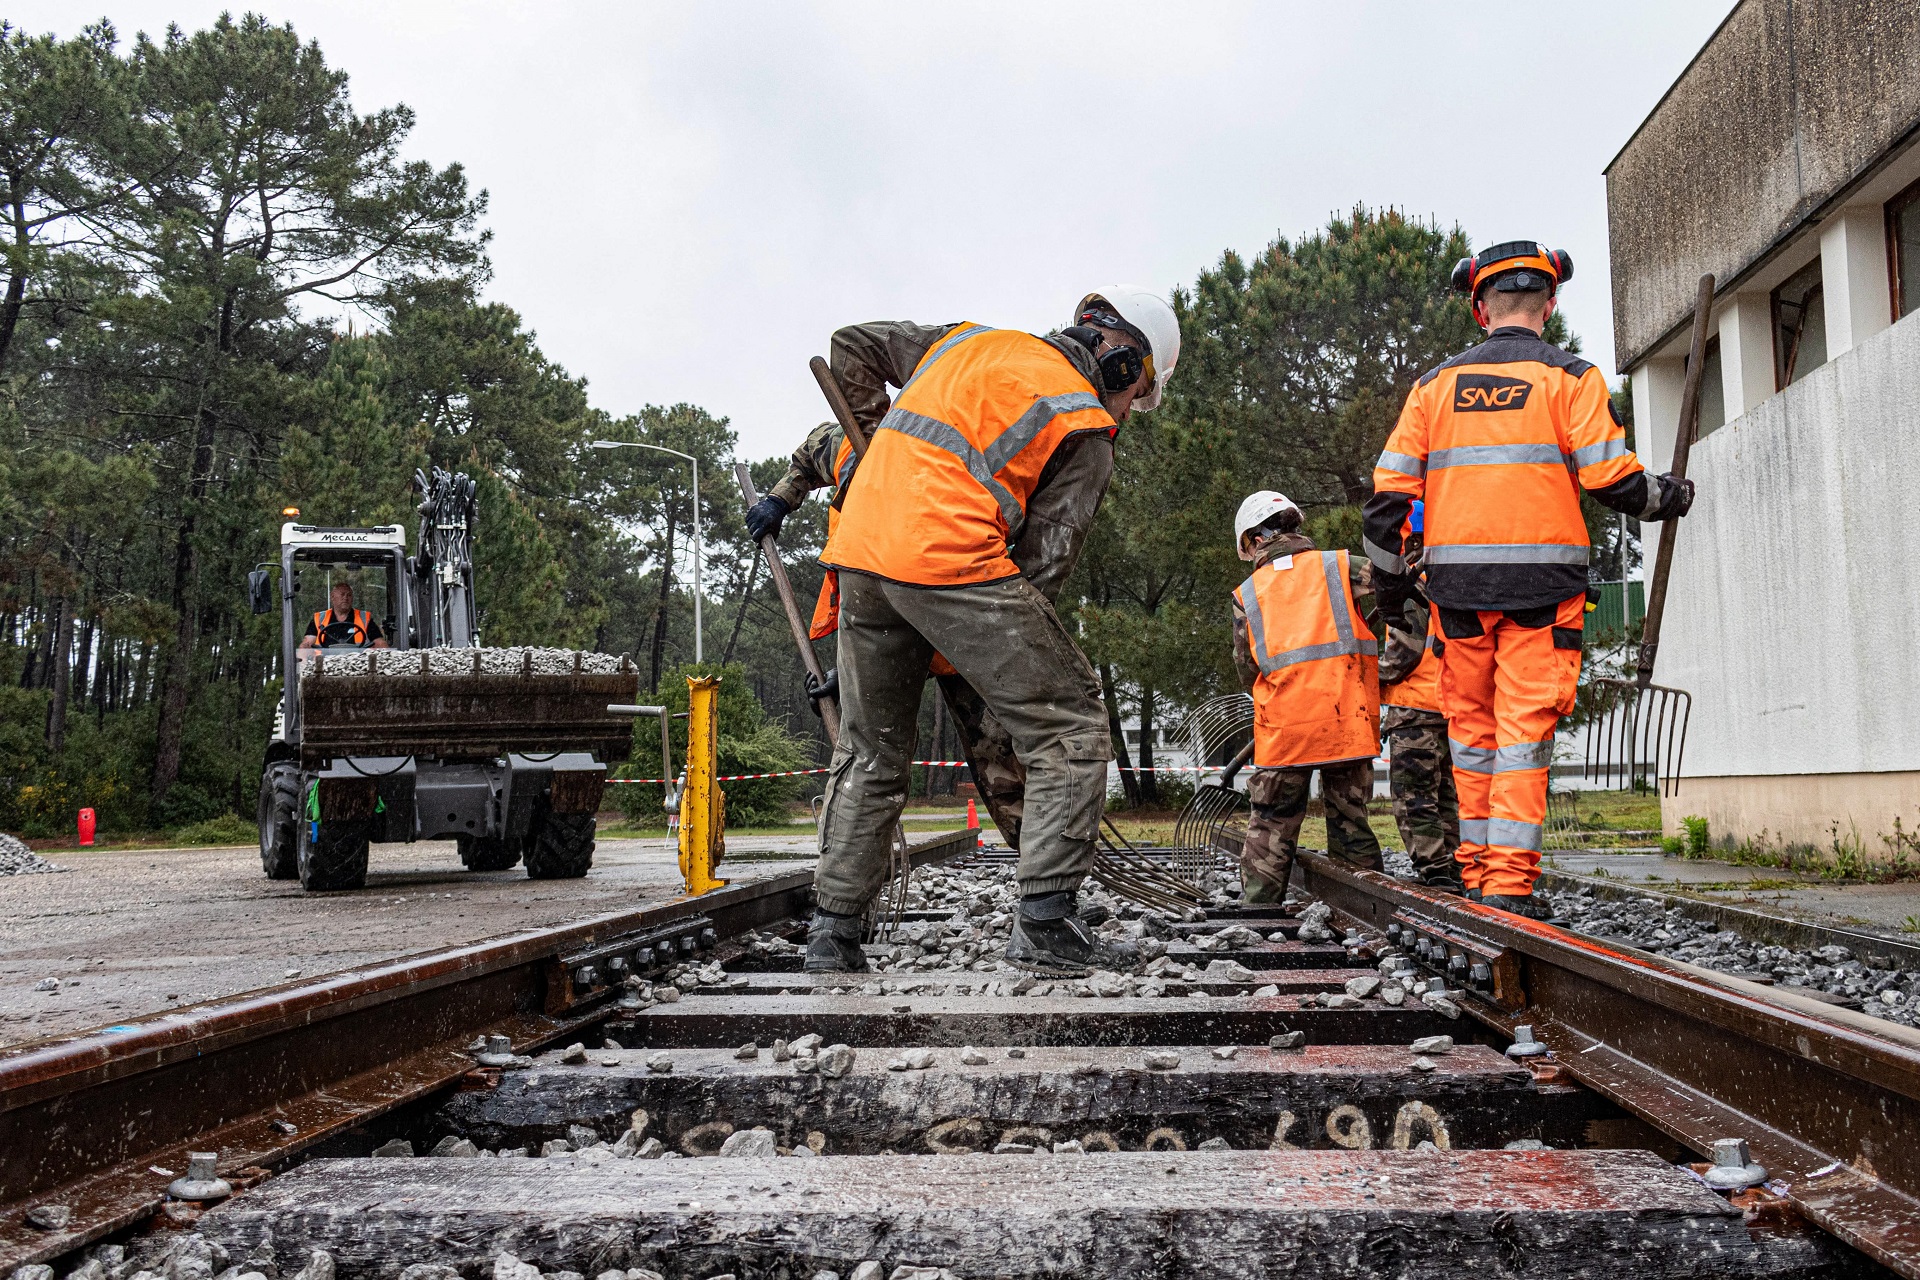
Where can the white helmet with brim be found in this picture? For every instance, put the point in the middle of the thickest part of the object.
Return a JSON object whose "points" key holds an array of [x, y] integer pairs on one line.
{"points": [[1150, 320], [1255, 511]]}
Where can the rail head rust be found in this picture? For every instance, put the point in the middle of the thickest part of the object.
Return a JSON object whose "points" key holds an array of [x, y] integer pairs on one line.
{"points": [[78, 1120], [1827, 1104]]}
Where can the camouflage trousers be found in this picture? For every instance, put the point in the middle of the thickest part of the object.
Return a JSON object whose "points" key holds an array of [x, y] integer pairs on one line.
{"points": [[1279, 799], [1425, 805]]}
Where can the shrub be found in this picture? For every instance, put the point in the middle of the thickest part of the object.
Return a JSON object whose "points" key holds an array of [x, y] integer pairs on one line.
{"points": [[749, 743], [1698, 844]]}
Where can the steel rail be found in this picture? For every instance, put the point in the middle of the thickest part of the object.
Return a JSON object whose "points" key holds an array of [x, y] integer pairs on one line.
{"points": [[1828, 1100], [100, 1121]]}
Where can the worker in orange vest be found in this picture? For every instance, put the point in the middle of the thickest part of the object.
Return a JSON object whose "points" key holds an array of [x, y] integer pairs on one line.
{"points": [[1311, 662], [1414, 729], [991, 428], [340, 624], [1500, 442]]}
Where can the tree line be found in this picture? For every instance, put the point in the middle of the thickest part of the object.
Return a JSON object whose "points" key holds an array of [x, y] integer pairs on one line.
{"points": [[228, 292]]}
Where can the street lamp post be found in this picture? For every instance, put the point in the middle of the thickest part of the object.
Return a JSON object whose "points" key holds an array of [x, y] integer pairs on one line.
{"points": [[699, 547]]}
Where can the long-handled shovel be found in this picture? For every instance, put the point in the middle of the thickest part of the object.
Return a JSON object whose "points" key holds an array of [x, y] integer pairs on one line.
{"points": [[1641, 722]]}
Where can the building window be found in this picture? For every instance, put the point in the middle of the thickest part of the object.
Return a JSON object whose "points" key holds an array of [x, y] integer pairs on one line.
{"points": [[1799, 326], [1903, 250], [1713, 393]]}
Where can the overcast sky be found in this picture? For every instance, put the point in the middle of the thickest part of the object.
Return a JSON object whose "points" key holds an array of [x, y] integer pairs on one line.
{"points": [[687, 199]]}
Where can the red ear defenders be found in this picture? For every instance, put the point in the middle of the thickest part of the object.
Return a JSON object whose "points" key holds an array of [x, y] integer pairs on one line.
{"points": [[1516, 263]]}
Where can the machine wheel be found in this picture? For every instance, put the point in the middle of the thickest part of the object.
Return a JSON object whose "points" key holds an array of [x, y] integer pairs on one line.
{"points": [[560, 847], [279, 821], [488, 853], [336, 858]]}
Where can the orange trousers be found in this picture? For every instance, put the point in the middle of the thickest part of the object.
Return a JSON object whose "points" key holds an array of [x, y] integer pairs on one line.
{"points": [[1505, 681]]}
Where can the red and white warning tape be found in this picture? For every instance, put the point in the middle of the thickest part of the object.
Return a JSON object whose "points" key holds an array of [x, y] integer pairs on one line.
{"points": [[943, 764]]}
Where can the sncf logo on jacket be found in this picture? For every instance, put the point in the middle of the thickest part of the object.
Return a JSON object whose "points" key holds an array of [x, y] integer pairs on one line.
{"points": [[1489, 393]]}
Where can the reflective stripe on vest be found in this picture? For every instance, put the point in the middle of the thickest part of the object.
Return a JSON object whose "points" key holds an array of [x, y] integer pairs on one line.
{"points": [[951, 466], [1317, 697]]}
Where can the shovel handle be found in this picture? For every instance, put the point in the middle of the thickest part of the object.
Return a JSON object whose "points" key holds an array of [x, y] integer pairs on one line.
{"points": [[1682, 448], [1238, 763], [829, 708], [837, 401]]}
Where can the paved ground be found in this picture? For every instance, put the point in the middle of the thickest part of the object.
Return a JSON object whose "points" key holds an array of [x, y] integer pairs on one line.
{"points": [[1892, 908], [148, 929]]}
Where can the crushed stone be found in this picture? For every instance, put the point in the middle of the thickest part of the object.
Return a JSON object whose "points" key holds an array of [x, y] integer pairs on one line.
{"points": [[460, 662], [18, 860]]}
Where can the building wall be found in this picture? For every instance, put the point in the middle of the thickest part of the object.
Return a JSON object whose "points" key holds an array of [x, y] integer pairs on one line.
{"points": [[1790, 103], [1794, 613]]}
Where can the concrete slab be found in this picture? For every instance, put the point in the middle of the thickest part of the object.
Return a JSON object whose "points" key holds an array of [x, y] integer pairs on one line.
{"points": [[1226, 1215], [1101, 1096], [133, 931]]}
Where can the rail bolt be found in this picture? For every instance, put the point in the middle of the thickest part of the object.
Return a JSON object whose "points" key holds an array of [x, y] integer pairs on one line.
{"points": [[1524, 1045], [643, 958], [1393, 933], [1457, 968], [708, 939], [616, 968], [686, 944], [1481, 975], [1733, 1168], [203, 1180], [585, 977]]}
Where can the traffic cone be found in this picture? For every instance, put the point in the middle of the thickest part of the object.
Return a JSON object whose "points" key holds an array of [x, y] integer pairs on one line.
{"points": [[973, 825]]}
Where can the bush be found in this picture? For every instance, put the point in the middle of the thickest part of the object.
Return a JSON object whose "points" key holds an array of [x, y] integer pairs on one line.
{"points": [[1698, 845], [186, 805], [749, 743], [227, 828]]}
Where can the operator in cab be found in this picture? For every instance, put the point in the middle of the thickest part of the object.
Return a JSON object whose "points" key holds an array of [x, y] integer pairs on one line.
{"points": [[342, 624]]}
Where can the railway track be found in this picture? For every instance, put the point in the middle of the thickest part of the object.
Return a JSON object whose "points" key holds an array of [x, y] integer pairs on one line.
{"points": [[1258, 1109]]}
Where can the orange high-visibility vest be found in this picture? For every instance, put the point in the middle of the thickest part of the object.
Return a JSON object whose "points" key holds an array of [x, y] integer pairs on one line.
{"points": [[1420, 691], [360, 619], [1318, 696], [942, 491]]}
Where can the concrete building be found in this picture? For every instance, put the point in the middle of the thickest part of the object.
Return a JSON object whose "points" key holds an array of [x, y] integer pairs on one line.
{"points": [[1786, 161]]}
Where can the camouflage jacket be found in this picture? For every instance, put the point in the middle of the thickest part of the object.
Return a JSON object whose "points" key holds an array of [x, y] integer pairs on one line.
{"points": [[867, 358]]}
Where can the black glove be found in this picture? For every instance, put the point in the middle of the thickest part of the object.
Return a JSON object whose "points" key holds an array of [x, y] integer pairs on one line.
{"points": [[1392, 590], [765, 517], [1676, 498], [818, 689]]}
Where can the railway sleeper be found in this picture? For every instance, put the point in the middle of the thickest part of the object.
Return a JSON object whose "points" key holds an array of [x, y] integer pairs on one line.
{"points": [[1221, 1215]]}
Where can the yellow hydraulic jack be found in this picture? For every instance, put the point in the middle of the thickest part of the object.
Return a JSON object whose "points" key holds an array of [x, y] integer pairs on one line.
{"points": [[703, 806]]}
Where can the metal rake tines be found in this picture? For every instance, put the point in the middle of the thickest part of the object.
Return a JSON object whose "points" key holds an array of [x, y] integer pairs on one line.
{"points": [[1638, 738], [1200, 822], [1217, 727], [1127, 869], [884, 913]]}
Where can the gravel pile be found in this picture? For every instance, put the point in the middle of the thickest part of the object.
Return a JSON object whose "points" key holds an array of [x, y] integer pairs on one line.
{"points": [[18, 860], [459, 662], [165, 1255], [1892, 994]]}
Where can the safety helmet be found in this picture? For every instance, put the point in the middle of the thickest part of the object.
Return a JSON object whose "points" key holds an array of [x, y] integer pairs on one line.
{"points": [[1148, 319], [1255, 511], [1516, 266]]}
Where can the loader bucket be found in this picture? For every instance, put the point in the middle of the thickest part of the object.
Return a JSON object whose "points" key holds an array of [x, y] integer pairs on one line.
{"points": [[474, 715]]}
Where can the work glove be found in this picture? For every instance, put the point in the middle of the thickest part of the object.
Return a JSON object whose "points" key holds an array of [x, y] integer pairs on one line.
{"points": [[827, 688], [1391, 591], [765, 517], [1676, 498]]}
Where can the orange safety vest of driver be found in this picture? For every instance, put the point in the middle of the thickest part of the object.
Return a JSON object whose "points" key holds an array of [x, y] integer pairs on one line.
{"points": [[360, 619], [1317, 699], [942, 491]]}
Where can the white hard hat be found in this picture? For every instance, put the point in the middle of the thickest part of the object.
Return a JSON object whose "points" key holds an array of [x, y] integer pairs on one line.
{"points": [[1255, 511], [1148, 313]]}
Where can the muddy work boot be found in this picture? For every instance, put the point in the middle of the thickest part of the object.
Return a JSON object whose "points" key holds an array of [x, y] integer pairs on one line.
{"points": [[1048, 938], [1522, 904], [1442, 881], [833, 945]]}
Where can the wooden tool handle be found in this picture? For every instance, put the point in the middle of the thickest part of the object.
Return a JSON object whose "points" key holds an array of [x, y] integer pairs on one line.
{"points": [[1682, 448], [829, 707], [837, 401]]}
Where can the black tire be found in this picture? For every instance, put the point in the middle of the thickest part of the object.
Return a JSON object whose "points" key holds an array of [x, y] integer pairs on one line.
{"points": [[488, 853], [560, 847], [337, 858], [279, 821]]}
